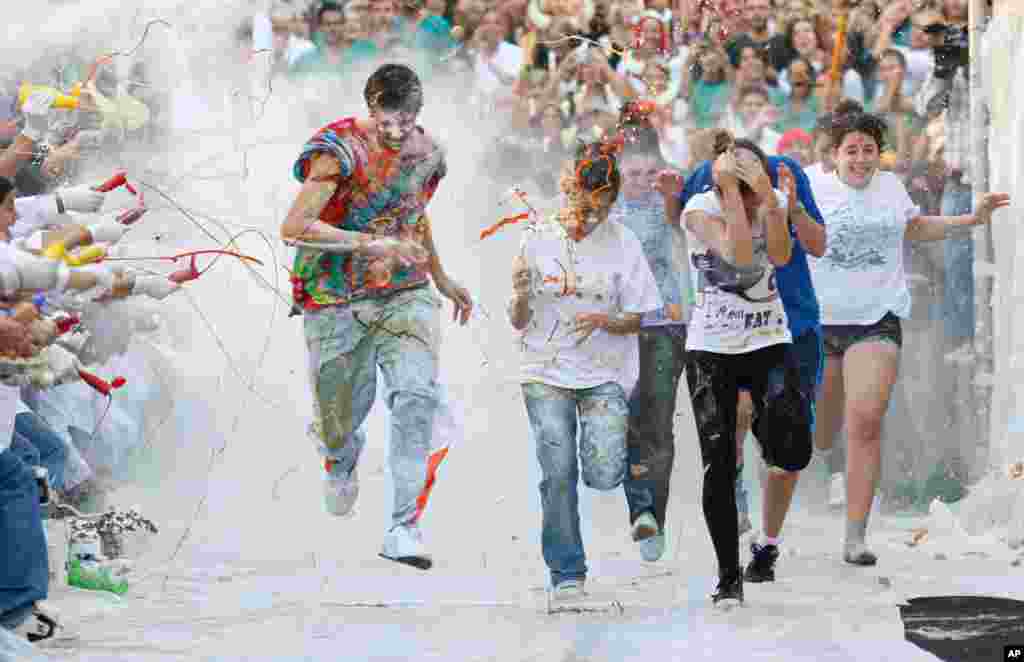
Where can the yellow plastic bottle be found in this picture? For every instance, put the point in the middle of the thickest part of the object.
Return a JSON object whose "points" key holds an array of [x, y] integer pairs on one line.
{"points": [[63, 101], [86, 255], [55, 251]]}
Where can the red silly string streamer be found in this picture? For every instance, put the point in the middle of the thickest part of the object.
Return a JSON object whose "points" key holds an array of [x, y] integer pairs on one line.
{"points": [[103, 387], [508, 220]]}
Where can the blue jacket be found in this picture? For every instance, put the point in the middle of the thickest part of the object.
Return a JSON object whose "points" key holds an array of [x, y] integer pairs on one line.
{"points": [[794, 279]]}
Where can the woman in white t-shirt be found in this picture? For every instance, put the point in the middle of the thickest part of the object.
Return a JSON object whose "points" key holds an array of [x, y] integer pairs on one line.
{"points": [[737, 234], [862, 289], [581, 285]]}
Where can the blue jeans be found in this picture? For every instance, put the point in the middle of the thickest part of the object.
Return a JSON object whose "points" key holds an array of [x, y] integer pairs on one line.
{"points": [[601, 416], [36, 444], [24, 565], [652, 411], [400, 335], [958, 301]]}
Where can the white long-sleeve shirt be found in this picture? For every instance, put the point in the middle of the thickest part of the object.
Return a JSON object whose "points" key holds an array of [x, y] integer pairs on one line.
{"points": [[34, 213]]}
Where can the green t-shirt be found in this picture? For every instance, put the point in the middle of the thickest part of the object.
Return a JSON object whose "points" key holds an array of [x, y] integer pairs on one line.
{"points": [[804, 119], [709, 102], [315, 62]]}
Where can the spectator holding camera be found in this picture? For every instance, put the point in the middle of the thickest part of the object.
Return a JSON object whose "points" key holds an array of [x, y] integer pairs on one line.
{"points": [[946, 92]]}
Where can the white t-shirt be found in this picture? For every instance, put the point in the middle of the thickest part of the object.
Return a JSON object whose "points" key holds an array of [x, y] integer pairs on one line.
{"points": [[611, 276], [822, 183], [737, 310], [861, 278]]}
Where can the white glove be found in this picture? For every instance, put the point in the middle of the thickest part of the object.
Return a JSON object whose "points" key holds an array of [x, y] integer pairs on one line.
{"points": [[107, 233], [156, 287], [37, 273], [82, 199], [62, 364], [36, 110], [50, 212]]}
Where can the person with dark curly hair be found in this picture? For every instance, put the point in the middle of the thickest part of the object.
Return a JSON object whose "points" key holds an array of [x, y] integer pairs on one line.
{"points": [[863, 293], [581, 286], [362, 274]]}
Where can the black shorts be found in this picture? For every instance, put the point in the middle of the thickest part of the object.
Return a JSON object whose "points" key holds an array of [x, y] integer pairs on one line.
{"points": [[841, 337], [783, 411]]}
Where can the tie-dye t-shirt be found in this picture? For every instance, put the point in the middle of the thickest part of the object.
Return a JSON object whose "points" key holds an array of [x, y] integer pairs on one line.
{"points": [[380, 192]]}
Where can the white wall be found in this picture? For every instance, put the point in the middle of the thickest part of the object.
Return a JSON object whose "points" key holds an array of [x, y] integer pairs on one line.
{"points": [[1003, 50]]}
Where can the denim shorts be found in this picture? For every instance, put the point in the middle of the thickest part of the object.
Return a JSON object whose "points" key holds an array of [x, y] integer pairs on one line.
{"points": [[841, 337]]}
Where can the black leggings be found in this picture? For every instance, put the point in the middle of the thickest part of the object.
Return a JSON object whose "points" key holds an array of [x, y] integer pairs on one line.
{"points": [[782, 425]]}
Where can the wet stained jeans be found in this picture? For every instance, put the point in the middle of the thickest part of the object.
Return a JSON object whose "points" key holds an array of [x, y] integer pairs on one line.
{"points": [[347, 344], [958, 247], [24, 564], [600, 415], [652, 406]]}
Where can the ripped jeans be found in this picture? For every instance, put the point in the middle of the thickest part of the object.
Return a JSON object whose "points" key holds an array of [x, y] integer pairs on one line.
{"points": [[652, 411], [601, 416], [400, 334]]}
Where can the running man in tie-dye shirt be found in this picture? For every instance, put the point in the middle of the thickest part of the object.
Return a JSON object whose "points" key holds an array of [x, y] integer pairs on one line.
{"points": [[365, 258]]}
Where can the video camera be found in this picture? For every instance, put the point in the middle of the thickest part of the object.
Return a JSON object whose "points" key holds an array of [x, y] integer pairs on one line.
{"points": [[954, 51]]}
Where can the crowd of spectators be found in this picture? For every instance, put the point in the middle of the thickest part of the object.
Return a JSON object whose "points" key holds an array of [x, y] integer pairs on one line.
{"points": [[558, 69]]}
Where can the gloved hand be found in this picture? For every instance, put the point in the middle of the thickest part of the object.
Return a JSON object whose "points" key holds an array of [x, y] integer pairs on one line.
{"points": [[63, 365], [108, 233], [156, 287], [36, 110], [82, 199]]}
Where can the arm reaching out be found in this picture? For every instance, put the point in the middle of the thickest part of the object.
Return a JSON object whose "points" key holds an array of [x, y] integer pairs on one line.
{"points": [[934, 228]]}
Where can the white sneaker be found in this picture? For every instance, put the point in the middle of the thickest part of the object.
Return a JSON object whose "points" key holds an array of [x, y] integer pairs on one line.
{"points": [[837, 491], [340, 492], [962, 355], [43, 626], [644, 527], [404, 544], [744, 523], [651, 549], [570, 589]]}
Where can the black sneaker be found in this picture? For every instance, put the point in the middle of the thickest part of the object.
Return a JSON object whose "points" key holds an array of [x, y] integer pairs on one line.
{"points": [[730, 589], [762, 567]]}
